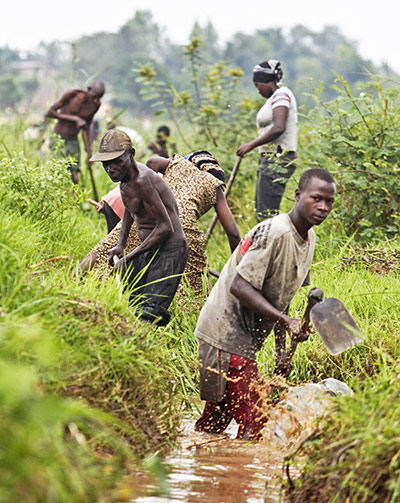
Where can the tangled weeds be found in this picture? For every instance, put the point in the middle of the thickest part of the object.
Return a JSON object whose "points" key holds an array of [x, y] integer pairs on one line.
{"points": [[377, 260], [329, 477]]}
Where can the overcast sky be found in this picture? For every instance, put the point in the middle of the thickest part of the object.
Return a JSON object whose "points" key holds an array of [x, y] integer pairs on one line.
{"points": [[374, 26]]}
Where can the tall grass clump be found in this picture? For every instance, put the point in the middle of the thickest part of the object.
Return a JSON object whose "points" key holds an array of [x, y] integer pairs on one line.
{"points": [[107, 357], [355, 457], [46, 452], [85, 385]]}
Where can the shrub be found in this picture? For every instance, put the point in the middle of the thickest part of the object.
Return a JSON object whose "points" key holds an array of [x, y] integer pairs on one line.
{"points": [[357, 139], [212, 113], [42, 190]]}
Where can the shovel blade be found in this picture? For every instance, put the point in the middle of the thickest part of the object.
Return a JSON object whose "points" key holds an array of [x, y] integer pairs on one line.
{"points": [[335, 325]]}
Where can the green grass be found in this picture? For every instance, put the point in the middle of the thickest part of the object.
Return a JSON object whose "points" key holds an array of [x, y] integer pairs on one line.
{"points": [[73, 350], [355, 457], [81, 364]]}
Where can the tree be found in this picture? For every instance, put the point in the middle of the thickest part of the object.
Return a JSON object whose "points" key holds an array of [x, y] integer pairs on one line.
{"points": [[305, 54], [10, 91]]}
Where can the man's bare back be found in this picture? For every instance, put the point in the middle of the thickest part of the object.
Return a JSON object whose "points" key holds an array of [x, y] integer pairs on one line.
{"points": [[157, 264]]}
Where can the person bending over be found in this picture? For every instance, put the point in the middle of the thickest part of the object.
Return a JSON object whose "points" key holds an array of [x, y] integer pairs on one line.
{"points": [[250, 298], [162, 254], [74, 112]]}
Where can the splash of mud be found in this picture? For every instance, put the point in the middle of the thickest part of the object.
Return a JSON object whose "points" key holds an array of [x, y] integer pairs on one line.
{"points": [[211, 468]]}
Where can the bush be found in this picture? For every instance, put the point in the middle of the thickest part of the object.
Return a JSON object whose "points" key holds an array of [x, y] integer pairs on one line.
{"points": [[357, 139], [43, 190]]}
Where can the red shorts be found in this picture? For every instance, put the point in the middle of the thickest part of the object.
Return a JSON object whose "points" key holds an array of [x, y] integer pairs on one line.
{"points": [[239, 402]]}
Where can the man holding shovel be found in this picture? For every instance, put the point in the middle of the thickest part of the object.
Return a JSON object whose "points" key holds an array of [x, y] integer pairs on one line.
{"points": [[74, 112], [153, 269], [251, 297]]}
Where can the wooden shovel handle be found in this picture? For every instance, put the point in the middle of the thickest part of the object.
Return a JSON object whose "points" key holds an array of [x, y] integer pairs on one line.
{"points": [[88, 149], [315, 295], [227, 190]]}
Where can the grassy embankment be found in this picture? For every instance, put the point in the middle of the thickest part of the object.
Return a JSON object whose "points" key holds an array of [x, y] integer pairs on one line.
{"points": [[79, 372]]}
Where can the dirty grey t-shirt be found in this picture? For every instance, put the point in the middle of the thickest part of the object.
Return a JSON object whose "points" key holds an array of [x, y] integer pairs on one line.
{"points": [[275, 260]]}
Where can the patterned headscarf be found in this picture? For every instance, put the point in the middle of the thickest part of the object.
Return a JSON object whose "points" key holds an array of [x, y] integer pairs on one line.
{"points": [[268, 71], [205, 161]]}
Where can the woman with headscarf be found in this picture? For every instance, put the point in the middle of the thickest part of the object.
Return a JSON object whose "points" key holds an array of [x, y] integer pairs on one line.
{"points": [[277, 138]]}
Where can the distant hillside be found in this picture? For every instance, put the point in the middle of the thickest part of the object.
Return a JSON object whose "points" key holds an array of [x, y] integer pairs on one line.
{"points": [[37, 78]]}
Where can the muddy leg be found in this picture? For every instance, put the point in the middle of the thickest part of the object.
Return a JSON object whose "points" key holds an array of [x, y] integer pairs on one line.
{"points": [[215, 418]]}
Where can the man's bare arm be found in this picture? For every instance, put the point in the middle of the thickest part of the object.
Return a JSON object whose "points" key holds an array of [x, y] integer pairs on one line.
{"points": [[158, 164], [226, 218], [254, 300], [55, 114], [126, 225], [89, 118]]}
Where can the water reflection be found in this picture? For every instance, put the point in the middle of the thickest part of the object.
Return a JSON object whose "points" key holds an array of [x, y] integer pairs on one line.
{"points": [[222, 471]]}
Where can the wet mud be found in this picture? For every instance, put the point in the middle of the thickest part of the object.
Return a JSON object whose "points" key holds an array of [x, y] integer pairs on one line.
{"points": [[215, 469]]}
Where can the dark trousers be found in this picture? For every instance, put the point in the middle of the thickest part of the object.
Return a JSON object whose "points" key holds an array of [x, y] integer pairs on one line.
{"points": [[153, 278], [272, 175]]}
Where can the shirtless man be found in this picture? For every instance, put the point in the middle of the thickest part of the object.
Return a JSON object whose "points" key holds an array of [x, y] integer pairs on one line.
{"points": [[74, 112], [161, 257]]}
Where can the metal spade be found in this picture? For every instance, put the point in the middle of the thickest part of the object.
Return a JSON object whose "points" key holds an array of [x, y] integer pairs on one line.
{"points": [[335, 325], [332, 322]]}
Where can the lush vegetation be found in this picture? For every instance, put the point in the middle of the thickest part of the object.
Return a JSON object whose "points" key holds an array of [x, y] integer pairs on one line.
{"points": [[86, 388], [354, 455], [356, 136]]}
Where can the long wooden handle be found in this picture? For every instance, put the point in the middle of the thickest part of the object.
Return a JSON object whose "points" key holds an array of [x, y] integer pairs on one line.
{"points": [[227, 190], [315, 295], [89, 163]]}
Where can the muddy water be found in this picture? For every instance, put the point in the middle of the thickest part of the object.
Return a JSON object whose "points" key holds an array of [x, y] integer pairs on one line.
{"points": [[217, 469], [222, 471]]}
